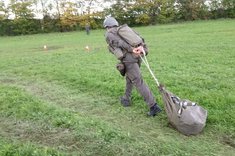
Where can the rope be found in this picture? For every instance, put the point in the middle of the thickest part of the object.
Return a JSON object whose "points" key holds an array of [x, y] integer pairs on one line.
{"points": [[144, 59]]}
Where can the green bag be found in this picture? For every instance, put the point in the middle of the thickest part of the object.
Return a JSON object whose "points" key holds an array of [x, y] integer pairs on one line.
{"points": [[129, 35]]}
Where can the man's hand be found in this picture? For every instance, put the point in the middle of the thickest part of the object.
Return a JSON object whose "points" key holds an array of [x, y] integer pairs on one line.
{"points": [[138, 50]]}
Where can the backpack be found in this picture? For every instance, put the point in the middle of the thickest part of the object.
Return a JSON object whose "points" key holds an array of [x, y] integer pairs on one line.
{"points": [[129, 35]]}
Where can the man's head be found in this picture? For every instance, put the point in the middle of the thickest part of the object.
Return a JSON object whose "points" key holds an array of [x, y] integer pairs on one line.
{"points": [[110, 22]]}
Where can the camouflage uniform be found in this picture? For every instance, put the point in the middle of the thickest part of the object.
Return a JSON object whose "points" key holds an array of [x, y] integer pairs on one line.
{"points": [[123, 52]]}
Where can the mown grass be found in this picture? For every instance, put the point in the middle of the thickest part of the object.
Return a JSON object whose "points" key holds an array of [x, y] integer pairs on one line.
{"points": [[64, 100]]}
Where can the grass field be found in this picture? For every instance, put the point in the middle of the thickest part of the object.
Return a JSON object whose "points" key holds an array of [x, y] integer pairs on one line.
{"points": [[65, 100]]}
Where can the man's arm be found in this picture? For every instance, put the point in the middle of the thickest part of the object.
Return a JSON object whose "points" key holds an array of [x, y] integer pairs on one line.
{"points": [[113, 45]]}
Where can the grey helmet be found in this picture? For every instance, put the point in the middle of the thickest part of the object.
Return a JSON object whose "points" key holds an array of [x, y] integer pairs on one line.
{"points": [[110, 22]]}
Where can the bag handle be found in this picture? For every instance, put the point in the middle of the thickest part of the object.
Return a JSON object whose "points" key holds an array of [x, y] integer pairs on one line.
{"points": [[183, 104]]}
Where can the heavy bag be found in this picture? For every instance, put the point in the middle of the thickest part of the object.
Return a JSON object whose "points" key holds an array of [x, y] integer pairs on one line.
{"points": [[187, 117]]}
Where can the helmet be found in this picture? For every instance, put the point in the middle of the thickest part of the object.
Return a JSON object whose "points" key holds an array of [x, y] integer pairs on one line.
{"points": [[110, 22]]}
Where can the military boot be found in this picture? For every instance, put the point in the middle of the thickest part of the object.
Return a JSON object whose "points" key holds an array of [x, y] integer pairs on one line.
{"points": [[125, 102], [154, 110]]}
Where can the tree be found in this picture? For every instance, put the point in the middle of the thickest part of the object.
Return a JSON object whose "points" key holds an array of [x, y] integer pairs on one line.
{"points": [[4, 13], [5, 28], [69, 18], [121, 10], [89, 9], [189, 9], [42, 8], [153, 11], [22, 9], [146, 11], [229, 7], [23, 22], [166, 11]]}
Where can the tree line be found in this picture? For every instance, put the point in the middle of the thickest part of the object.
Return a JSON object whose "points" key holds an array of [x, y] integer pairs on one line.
{"points": [[20, 17]]}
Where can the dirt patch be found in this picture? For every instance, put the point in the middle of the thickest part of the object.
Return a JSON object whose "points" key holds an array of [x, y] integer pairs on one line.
{"points": [[7, 81], [46, 48], [60, 138], [228, 140]]}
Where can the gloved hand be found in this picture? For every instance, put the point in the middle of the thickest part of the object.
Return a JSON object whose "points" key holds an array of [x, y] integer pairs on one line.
{"points": [[139, 50]]}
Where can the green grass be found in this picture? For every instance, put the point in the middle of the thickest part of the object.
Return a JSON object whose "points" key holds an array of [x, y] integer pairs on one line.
{"points": [[64, 100]]}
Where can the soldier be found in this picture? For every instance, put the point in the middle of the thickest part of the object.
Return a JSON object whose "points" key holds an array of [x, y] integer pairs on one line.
{"points": [[87, 27], [130, 65]]}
